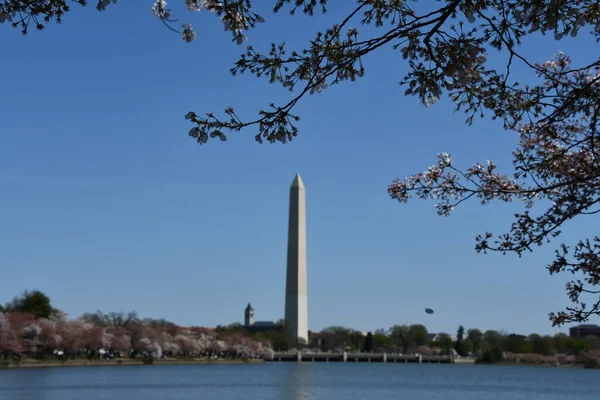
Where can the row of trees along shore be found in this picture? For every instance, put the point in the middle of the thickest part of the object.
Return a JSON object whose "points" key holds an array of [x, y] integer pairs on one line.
{"points": [[31, 328], [489, 346]]}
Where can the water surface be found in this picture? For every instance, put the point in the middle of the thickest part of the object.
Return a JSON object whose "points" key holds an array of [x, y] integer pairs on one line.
{"points": [[300, 381]]}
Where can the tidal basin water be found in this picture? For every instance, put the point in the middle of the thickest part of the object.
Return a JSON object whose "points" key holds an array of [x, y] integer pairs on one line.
{"points": [[295, 381]]}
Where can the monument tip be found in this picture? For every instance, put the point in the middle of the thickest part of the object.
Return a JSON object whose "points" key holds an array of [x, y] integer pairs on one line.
{"points": [[297, 183]]}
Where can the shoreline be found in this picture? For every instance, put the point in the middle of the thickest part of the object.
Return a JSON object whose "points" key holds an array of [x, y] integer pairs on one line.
{"points": [[198, 361], [122, 362], [524, 364]]}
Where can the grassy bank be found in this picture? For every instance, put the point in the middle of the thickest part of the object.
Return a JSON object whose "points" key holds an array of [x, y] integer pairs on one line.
{"points": [[98, 363]]}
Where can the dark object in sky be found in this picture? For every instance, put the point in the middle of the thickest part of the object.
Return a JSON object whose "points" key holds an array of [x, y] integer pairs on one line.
{"points": [[429, 311]]}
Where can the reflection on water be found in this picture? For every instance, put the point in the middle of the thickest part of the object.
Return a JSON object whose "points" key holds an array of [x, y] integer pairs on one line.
{"points": [[297, 382]]}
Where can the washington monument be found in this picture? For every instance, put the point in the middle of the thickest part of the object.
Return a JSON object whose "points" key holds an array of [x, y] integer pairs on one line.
{"points": [[296, 304]]}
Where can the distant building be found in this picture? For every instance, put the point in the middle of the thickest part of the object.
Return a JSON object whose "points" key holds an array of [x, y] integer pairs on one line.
{"points": [[256, 326], [582, 331]]}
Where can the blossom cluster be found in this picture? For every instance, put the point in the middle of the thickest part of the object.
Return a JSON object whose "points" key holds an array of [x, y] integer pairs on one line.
{"points": [[442, 182], [235, 15]]}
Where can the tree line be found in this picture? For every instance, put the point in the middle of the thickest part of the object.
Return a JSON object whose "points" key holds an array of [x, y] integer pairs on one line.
{"points": [[467, 342], [30, 327], [486, 346]]}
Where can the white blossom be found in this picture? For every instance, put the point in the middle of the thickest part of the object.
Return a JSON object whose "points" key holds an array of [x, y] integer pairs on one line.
{"points": [[444, 160], [32, 330], [194, 5], [187, 33], [159, 8], [212, 5]]}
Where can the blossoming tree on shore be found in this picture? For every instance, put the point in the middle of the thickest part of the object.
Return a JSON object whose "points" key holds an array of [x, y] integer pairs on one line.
{"points": [[24, 335]]}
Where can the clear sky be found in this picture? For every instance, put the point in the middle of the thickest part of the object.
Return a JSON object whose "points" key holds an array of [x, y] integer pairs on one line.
{"points": [[106, 203]]}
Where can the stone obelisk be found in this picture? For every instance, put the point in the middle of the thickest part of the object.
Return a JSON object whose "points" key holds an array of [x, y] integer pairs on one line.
{"points": [[296, 303]]}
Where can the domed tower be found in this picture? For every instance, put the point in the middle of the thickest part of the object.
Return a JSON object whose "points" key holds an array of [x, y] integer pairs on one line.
{"points": [[249, 315]]}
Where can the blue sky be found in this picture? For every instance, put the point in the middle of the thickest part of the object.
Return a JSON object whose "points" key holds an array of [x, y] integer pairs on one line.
{"points": [[107, 204]]}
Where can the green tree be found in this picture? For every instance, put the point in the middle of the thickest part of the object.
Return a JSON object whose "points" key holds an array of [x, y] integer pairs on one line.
{"points": [[491, 347], [301, 343], [464, 347], [400, 337], [381, 341], [460, 333], [560, 342], [356, 341], [418, 335], [368, 347], [475, 335], [234, 327], [281, 341], [517, 344], [482, 346], [593, 342], [576, 346], [34, 302], [444, 342], [541, 344], [494, 339], [492, 355], [335, 338]]}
